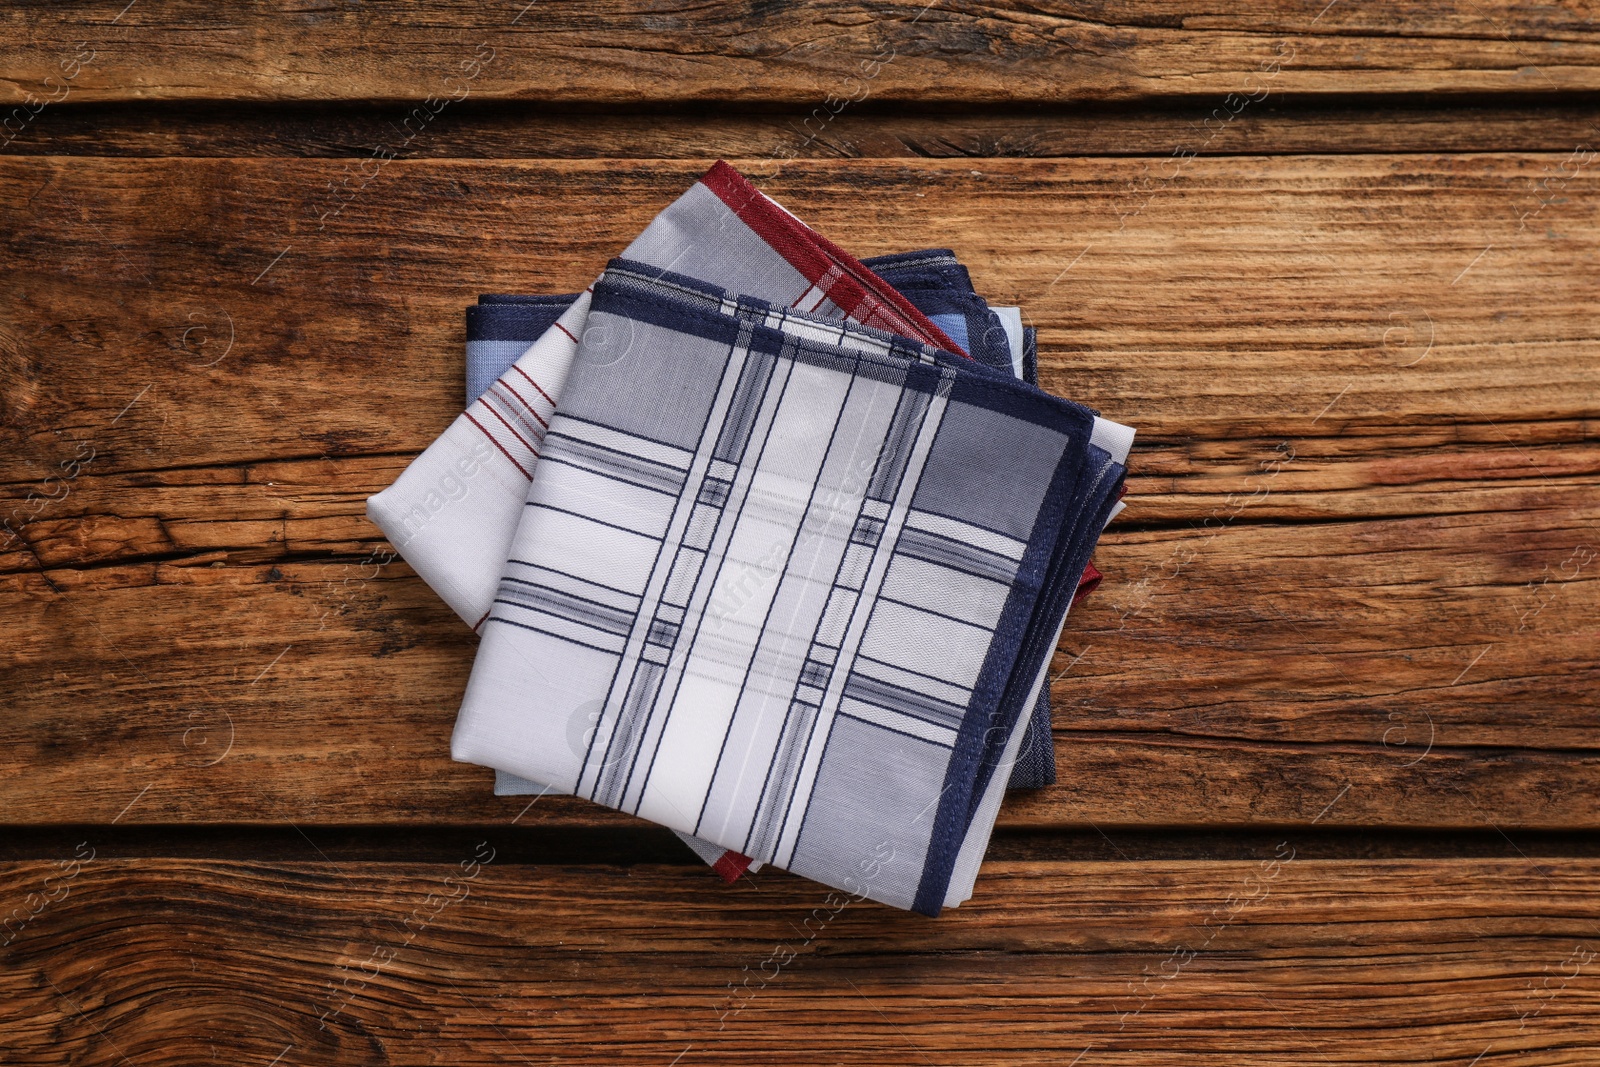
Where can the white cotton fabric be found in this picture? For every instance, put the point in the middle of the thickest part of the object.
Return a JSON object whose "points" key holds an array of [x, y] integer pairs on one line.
{"points": [[1011, 320]]}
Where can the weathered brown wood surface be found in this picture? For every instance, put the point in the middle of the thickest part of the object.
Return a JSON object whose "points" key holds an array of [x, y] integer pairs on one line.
{"points": [[1356, 553], [1349, 618], [1270, 960], [625, 53]]}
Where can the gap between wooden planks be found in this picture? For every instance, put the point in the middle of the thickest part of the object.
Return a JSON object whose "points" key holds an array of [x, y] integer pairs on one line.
{"points": [[1275, 124]]}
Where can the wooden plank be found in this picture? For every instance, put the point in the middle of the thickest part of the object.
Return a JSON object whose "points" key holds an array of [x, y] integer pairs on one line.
{"points": [[1275, 125], [820, 54], [1396, 615], [1441, 287], [1420, 681], [1265, 961]]}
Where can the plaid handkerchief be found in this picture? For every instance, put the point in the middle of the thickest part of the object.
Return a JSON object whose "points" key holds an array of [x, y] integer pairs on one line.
{"points": [[501, 328], [804, 579], [452, 512]]}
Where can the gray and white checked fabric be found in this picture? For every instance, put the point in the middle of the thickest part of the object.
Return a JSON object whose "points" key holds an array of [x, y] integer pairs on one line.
{"points": [[500, 328], [803, 577]]}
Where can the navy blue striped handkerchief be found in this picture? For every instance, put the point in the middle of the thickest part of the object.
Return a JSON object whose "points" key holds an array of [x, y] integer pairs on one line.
{"points": [[501, 327]]}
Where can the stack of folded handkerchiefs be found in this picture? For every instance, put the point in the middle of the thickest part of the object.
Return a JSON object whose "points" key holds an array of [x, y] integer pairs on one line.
{"points": [[764, 544]]}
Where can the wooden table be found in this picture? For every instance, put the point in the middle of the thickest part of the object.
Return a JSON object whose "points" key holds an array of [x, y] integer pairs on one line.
{"points": [[1327, 737]]}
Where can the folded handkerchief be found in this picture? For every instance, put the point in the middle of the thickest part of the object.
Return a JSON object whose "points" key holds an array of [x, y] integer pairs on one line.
{"points": [[452, 512], [502, 327], [793, 583]]}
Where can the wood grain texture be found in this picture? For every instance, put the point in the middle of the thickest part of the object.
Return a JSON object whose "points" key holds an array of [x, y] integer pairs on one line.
{"points": [[1204, 298], [1251, 685], [1360, 563], [1273, 960], [904, 50], [1328, 735]]}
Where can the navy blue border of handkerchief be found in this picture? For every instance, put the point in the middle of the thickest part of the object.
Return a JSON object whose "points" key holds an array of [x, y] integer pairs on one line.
{"points": [[514, 319], [1036, 762], [939, 285], [564, 299], [1042, 589]]}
